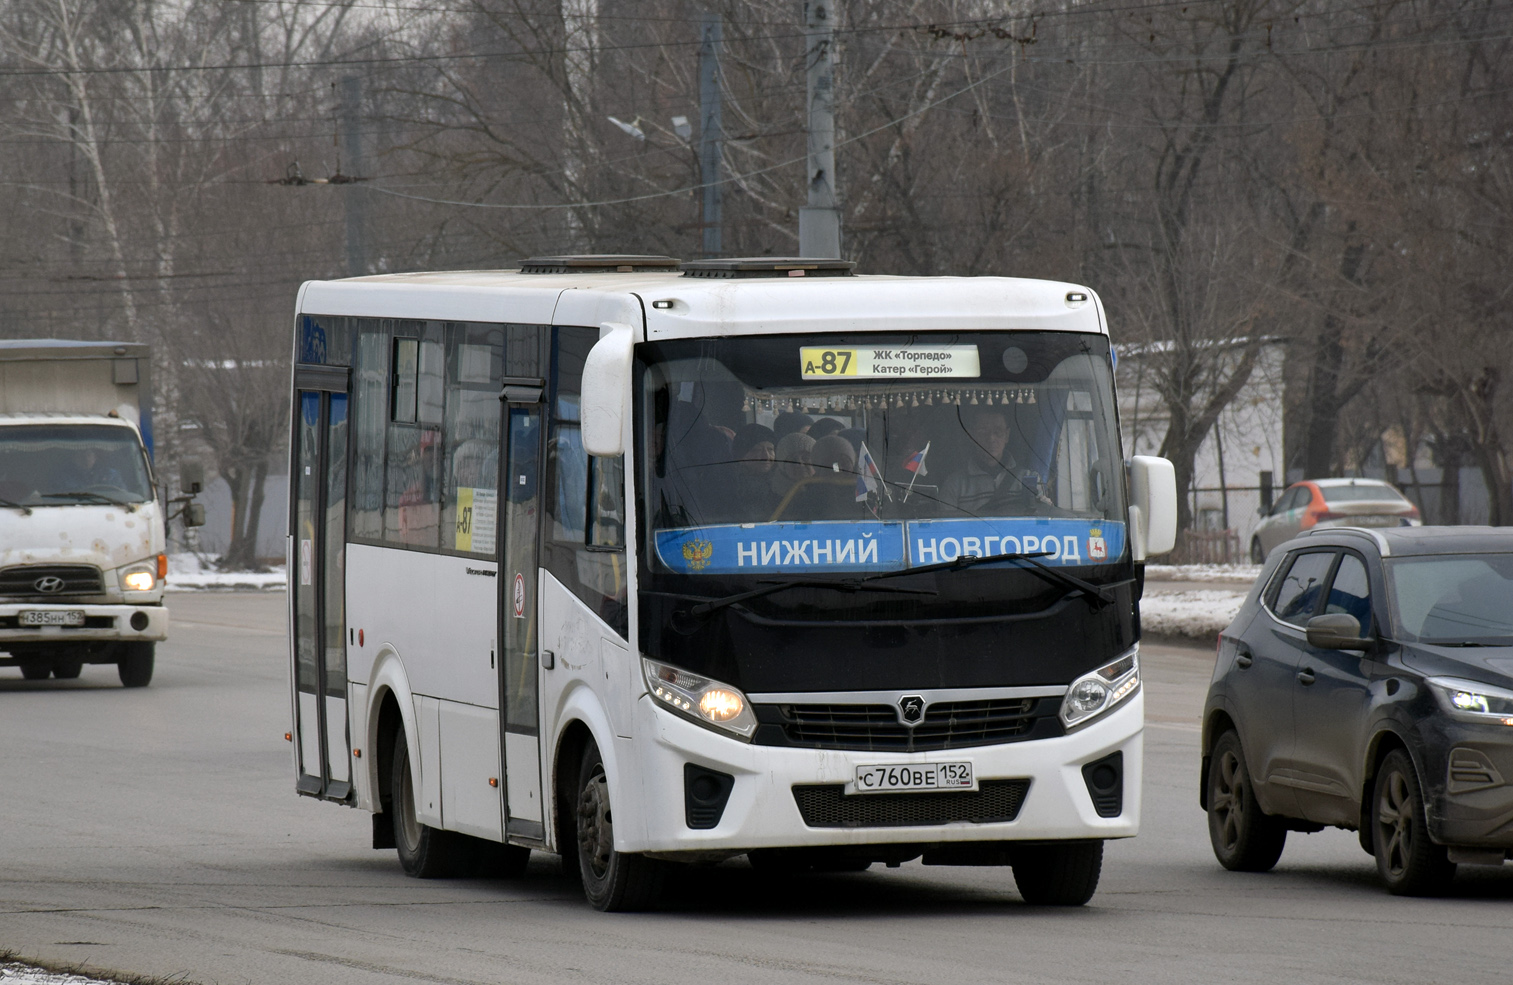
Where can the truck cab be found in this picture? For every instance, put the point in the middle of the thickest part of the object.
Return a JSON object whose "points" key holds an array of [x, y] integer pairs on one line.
{"points": [[83, 553]]}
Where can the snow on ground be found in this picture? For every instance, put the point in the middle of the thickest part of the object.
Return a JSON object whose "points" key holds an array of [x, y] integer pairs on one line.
{"points": [[187, 573], [1236, 573], [1197, 614], [12, 973]]}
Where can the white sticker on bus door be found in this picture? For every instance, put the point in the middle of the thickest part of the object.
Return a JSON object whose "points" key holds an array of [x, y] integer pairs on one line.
{"points": [[306, 560], [519, 596]]}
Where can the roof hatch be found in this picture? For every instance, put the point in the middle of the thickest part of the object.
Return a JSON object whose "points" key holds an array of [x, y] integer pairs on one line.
{"points": [[732, 267], [598, 263]]}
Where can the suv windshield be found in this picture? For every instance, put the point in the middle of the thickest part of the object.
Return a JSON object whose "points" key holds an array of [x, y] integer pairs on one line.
{"points": [[1460, 599], [787, 454], [70, 464]]}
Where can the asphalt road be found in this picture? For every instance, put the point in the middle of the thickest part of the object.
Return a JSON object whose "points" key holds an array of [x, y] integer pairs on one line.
{"points": [[156, 832]]}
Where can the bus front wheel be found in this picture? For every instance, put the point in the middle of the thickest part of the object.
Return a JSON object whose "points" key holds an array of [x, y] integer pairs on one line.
{"points": [[1058, 873], [612, 881], [424, 852]]}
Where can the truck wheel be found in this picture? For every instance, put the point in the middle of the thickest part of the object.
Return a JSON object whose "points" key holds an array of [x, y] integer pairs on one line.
{"points": [[134, 664], [1058, 874], [424, 852], [612, 881], [67, 670], [36, 671]]}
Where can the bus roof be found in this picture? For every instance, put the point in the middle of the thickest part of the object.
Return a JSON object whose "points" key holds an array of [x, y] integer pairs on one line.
{"points": [[671, 305]]}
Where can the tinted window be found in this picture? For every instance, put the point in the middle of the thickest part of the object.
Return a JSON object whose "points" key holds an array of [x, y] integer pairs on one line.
{"points": [[1362, 493], [595, 576], [1350, 593], [1298, 594]]}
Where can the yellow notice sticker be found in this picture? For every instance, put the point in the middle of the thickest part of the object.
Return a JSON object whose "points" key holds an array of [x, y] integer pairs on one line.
{"points": [[881, 362]]}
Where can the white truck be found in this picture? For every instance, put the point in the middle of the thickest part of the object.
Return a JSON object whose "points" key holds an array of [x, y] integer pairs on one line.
{"points": [[82, 525]]}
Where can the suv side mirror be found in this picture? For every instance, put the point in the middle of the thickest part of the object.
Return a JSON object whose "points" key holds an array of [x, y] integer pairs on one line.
{"points": [[1336, 631], [191, 477]]}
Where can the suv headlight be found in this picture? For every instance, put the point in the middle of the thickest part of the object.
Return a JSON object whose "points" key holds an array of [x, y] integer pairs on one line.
{"points": [[1107, 687], [1473, 702], [710, 703]]}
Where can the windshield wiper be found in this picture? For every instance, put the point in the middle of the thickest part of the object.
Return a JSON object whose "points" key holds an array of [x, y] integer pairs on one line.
{"points": [[86, 494], [1094, 593], [772, 588], [1087, 588], [12, 505]]}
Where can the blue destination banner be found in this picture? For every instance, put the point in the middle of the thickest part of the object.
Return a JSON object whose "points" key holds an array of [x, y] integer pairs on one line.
{"points": [[874, 545], [866, 545], [1064, 540]]}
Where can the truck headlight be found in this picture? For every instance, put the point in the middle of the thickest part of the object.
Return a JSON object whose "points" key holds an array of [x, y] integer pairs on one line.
{"points": [[1471, 701], [710, 703], [139, 578], [1107, 687]]}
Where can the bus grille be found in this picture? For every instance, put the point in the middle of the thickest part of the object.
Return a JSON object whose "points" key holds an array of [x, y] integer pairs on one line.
{"points": [[69, 579], [876, 728], [827, 806]]}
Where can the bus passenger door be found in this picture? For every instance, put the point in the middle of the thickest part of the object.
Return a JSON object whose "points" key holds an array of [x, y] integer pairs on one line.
{"points": [[319, 576], [519, 634]]}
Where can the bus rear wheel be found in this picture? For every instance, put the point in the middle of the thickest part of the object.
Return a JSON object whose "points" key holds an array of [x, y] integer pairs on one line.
{"points": [[613, 881], [1058, 873], [424, 852]]}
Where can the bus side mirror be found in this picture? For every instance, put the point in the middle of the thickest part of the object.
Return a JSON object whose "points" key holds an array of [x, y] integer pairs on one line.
{"points": [[1153, 506], [194, 514], [191, 477], [606, 390]]}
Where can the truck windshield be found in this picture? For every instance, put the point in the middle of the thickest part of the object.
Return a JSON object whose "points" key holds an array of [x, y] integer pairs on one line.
{"points": [[71, 464], [865, 453]]}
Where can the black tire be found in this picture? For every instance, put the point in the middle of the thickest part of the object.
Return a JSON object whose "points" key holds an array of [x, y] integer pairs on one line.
{"points": [[1410, 863], [612, 882], [1058, 873], [36, 671], [134, 663], [1244, 838], [1257, 556], [424, 852], [67, 670]]}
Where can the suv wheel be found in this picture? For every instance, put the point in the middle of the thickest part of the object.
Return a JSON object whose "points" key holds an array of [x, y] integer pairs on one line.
{"points": [[1410, 864], [1257, 555], [1245, 838]]}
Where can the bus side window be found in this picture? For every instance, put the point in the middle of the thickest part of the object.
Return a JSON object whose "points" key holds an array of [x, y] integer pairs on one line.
{"points": [[595, 576]]}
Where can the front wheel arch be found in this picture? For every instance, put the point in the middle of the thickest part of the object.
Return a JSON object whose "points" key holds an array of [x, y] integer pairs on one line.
{"points": [[1378, 749]]}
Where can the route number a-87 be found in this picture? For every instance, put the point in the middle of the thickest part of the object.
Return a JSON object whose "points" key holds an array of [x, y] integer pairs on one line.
{"points": [[828, 362]]}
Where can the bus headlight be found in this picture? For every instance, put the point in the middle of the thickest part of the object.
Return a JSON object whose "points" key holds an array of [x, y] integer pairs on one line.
{"points": [[1107, 687], [710, 703]]}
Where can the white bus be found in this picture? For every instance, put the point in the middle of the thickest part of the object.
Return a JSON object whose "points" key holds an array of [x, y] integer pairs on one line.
{"points": [[643, 563]]}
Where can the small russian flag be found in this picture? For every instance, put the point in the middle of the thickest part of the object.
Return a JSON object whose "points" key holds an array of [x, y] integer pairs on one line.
{"points": [[916, 462], [868, 475]]}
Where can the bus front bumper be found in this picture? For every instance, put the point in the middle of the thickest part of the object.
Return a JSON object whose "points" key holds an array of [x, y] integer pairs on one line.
{"points": [[763, 809]]}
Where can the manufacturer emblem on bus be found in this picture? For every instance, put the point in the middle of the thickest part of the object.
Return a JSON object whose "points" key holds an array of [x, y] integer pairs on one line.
{"points": [[697, 553], [911, 708]]}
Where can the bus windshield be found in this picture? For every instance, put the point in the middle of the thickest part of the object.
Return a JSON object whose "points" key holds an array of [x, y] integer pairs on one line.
{"points": [[868, 453]]}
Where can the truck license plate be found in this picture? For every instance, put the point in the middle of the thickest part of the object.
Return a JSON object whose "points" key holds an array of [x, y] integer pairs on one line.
{"points": [[53, 617], [896, 778]]}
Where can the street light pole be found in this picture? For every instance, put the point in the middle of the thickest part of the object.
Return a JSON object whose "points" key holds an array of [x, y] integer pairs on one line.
{"points": [[820, 220]]}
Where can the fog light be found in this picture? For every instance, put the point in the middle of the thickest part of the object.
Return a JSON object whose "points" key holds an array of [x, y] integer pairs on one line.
{"points": [[139, 621], [138, 581]]}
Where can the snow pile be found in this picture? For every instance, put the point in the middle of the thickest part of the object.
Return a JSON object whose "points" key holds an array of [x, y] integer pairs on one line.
{"points": [[1198, 614], [1237, 573], [12, 973], [188, 573]]}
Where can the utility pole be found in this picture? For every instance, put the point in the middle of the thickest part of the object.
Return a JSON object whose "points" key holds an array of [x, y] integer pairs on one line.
{"points": [[356, 197], [712, 32], [820, 220]]}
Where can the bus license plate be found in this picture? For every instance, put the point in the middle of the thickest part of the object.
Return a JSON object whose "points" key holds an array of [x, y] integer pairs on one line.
{"points": [[53, 617], [895, 778]]}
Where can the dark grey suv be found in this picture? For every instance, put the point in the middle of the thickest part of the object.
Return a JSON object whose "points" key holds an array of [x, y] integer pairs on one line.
{"points": [[1367, 683]]}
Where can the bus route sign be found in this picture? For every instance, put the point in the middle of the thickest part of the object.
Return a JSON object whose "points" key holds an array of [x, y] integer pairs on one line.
{"points": [[889, 362]]}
